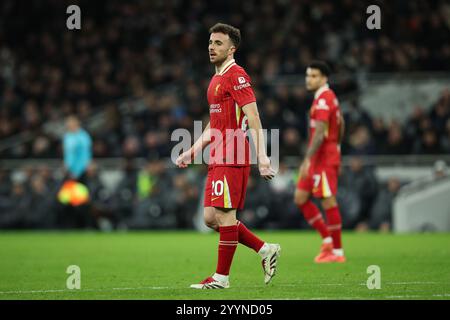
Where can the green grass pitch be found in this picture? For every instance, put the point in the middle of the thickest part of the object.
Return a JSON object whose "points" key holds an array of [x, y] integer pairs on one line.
{"points": [[162, 265]]}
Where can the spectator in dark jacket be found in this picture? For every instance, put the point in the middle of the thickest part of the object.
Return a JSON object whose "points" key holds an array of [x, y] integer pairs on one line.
{"points": [[395, 144], [361, 179], [428, 144], [381, 213]]}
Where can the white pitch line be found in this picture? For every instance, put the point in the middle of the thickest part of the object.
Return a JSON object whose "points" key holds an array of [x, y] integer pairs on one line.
{"points": [[382, 297], [243, 287], [408, 283], [32, 291], [363, 298], [83, 290], [415, 282], [418, 296], [378, 297], [142, 288]]}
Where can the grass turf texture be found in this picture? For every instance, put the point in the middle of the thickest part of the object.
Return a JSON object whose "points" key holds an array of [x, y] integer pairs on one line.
{"points": [[162, 265]]}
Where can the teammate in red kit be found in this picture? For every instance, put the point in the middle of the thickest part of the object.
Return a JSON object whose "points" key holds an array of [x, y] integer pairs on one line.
{"points": [[320, 167], [232, 105]]}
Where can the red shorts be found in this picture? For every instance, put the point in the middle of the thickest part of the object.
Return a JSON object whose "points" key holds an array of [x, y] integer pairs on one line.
{"points": [[321, 181], [226, 187]]}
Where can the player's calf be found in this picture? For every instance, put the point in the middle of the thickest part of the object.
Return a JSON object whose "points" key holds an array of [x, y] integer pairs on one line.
{"points": [[301, 197]]}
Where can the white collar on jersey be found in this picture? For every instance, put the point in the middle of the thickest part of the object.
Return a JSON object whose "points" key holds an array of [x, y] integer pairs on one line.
{"points": [[226, 67], [321, 90]]}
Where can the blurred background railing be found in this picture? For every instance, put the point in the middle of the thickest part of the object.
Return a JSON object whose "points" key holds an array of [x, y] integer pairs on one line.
{"points": [[145, 194]]}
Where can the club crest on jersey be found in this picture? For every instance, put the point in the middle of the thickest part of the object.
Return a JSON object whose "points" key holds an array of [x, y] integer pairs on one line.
{"points": [[216, 90], [322, 105]]}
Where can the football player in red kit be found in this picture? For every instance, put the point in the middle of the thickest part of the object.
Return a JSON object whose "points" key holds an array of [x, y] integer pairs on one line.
{"points": [[232, 105], [320, 168]]}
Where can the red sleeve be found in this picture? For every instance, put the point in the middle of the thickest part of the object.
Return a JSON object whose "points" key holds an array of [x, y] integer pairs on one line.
{"points": [[240, 88], [323, 108]]}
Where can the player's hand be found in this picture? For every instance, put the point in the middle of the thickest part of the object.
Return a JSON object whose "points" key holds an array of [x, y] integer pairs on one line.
{"points": [[304, 168], [265, 169], [184, 159]]}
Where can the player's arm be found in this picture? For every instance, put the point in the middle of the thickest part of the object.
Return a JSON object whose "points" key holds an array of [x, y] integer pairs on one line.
{"points": [[317, 139], [186, 157], [254, 123], [201, 142], [316, 142]]}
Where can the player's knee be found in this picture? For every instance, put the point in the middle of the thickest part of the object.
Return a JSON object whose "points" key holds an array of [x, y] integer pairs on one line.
{"points": [[328, 203], [226, 217], [211, 223], [209, 218], [300, 198]]}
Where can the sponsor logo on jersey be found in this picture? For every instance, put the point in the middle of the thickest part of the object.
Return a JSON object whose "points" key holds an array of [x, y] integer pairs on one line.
{"points": [[241, 86], [241, 80], [215, 108]]}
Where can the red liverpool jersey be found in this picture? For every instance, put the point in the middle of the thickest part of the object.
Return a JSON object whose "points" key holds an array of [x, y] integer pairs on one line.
{"points": [[228, 92], [325, 107]]}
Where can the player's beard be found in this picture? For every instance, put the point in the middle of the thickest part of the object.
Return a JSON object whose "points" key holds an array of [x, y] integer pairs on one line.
{"points": [[219, 61], [313, 88]]}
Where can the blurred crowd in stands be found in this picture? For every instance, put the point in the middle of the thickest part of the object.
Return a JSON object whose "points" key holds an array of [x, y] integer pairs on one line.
{"points": [[155, 53], [423, 132]]}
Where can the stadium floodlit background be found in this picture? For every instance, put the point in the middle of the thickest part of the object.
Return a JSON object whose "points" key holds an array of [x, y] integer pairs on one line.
{"points": [[138, 70]]}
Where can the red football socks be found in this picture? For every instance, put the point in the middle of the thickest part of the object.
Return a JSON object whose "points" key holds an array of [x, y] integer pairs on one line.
{"points": [[247, 238], [227, 246], [334, 226], [314, 217]]}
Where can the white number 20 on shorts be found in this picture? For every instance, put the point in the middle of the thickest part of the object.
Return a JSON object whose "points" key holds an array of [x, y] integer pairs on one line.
{"points": [[217, 188]]}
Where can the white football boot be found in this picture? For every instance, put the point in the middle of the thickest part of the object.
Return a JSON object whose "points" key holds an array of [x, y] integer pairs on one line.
{"points": [[269, 262], [211, 283]]}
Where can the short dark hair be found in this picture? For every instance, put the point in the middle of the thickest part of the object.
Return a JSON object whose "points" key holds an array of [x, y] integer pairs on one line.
{"points": [[73, 116], [322, 66], [232, 32]]}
